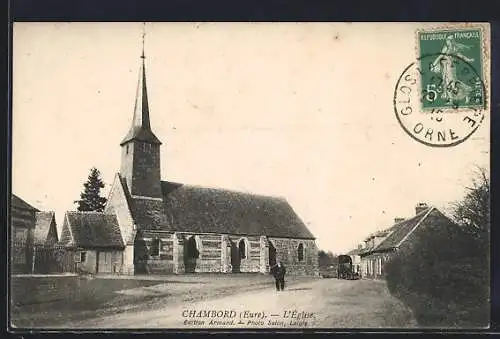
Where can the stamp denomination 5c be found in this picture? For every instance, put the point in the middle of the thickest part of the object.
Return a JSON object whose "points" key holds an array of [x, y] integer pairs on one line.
{"points": [[440, 98]]}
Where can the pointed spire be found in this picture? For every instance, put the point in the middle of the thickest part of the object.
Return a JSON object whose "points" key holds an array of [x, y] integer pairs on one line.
{"points": [[141, 127], [143, 38]]}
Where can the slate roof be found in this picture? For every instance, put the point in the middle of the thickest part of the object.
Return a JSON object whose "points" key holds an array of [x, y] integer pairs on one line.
{"points": [[397, 233], [43, 222], [91, 229], [367, 249], [140, 133], [20, 203], [197, 209]]}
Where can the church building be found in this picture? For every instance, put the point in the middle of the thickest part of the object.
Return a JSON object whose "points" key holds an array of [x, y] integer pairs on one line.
{"points": [[153, 226]]}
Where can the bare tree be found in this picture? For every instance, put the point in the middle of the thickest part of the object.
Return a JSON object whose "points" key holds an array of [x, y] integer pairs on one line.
{"points": [[473, 211]]}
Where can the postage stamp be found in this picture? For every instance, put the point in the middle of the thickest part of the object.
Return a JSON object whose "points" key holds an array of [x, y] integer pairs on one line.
{"points": [[441, 97], [454, 61]]}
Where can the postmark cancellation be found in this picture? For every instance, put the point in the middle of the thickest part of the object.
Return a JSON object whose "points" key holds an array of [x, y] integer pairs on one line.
{"points": [[440, 98]]}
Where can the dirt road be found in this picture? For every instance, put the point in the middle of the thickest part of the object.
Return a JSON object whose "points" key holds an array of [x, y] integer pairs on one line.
{"points": [[325, 303]]}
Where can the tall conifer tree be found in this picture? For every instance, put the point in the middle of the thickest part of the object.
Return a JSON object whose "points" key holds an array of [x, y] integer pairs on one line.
{"points": [[90, 198]]}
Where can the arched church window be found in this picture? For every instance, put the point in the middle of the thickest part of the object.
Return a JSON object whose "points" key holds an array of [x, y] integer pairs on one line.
{"points": [[155, 247], [242, 246], [300, 252]]}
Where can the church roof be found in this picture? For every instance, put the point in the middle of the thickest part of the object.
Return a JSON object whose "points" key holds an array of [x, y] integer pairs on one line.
{"points": [[44, 220], [90, 230], [197, 209]]}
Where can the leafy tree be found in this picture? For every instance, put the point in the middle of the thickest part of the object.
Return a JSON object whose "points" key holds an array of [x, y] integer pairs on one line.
{"points": [[90, 198], [326, 259]]}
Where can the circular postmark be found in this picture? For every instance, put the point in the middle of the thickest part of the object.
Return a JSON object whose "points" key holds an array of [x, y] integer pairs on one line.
{"points": [[440, 99]]}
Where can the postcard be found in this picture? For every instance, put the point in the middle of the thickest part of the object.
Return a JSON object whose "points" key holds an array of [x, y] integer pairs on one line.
{"points": [[280, 176]]}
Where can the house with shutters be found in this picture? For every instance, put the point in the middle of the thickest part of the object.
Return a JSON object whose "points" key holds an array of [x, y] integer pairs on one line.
{"points": [[155, 226], [380, 247]]}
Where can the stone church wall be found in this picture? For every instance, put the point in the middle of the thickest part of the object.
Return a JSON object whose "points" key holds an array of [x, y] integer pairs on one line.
{"points": [[217, 253], [147, 262], [287, 250], [251, 261], [209, 260]]}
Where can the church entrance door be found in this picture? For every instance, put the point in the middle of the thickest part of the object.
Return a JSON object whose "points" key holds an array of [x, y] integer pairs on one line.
{"points": [[272, 255], [235, 257], [191, 254]]}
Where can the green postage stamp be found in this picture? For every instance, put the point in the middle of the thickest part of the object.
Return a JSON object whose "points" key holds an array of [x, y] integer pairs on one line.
{"points": [[441, 97], [453, 64]]}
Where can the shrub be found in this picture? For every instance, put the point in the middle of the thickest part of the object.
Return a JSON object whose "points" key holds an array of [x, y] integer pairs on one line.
{"points": [[444, 285]]}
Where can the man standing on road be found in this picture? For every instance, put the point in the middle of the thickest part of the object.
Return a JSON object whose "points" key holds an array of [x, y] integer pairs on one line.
{"points": [[279, 272]]}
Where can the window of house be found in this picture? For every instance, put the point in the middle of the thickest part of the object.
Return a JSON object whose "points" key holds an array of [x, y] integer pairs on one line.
{"points": [[83, 257], [155, 247], [126, 149], [300, 252], [242, 248]]}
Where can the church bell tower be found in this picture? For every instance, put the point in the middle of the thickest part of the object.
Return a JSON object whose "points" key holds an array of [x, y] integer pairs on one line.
{"points": [[140, 164]]}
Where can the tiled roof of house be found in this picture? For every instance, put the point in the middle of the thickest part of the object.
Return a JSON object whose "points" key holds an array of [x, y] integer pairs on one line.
{"points": [[367, 249], [91, 229], [400, 230], [20, 203], [196, 209], [395, 234], [43, 222]]}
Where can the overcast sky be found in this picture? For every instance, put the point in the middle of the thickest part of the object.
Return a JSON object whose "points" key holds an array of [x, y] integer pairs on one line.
{"points": [[302, 111]]}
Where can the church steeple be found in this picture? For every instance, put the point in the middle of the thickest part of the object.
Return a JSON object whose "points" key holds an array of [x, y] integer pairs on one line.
{"points": [[140, 165], [141, 126]]}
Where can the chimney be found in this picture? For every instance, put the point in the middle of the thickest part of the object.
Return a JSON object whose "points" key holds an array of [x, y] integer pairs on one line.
{"points": [[421, 206], [398, 220]]}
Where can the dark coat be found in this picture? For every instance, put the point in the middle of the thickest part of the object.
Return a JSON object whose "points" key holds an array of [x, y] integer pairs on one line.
{"points": [[278, 272]]}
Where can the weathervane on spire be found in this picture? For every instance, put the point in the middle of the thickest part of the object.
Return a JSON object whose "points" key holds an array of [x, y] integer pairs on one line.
{"points": [[143, 38]]}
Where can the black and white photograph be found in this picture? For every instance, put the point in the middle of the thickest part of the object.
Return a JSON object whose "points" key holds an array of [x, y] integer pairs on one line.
{"points": [[265, 175]]}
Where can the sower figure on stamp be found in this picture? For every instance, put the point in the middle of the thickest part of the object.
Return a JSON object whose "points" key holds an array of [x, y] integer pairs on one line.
{"points": [[452, 88], [279, 271]]}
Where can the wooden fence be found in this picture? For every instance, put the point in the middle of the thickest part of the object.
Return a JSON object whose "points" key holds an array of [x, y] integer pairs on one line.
{"points": [[41, 259]]}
